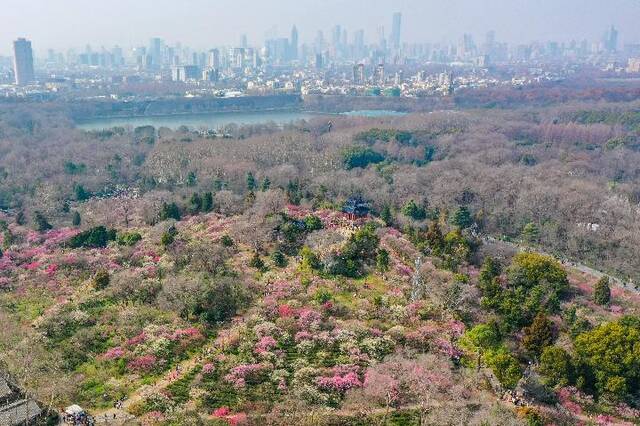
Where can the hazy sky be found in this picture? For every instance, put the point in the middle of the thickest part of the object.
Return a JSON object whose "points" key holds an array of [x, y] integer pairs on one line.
{"points": [[203, 23]]}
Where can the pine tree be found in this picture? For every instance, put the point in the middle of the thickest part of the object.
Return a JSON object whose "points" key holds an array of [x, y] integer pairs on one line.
{"points": [[538, 335], [462, 218], [170, 211], [279, 259], [207, 202], [195, 203], [266, 184], [41, 222], [602, 292], [434, 238], [386, 215], [256, 262], [251, 182], [21, 219], [382, 260], [76, 219]]}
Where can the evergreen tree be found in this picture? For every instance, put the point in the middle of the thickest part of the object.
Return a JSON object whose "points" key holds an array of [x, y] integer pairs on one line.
{"points": [[414, 211], [170, 211], [538, 335], [266, 184], [434, 238], [602, 292], [256, 261], [462, 218], [192, 179], [279, 259], [195, 203], [21, 219], [556, 367], [81, 193], [531, 233], [41, 222], [207, 202], [76, 219], [169, 236], [386, 215], [7, 238], [382, 260], [251, 182]]}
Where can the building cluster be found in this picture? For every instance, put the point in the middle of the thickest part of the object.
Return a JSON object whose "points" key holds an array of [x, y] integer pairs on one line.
{"points": [[343, 63]]}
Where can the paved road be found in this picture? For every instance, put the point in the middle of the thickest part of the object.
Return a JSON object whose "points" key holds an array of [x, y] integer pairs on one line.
{"points": [[629, 286]]}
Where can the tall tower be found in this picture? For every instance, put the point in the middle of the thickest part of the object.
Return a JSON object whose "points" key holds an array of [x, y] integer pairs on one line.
{"points": [[23, 62], [395, 30], [612, 40], [294, 44]]}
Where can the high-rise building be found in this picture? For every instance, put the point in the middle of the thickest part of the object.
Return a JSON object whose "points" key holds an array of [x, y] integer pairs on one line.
{"points": [[23, 62], [156, 51], [293, 46], [611, 40], [336, 36], [214, 59], [395, 30]]}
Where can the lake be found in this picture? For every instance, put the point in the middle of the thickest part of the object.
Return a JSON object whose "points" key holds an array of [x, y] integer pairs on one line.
{"points": [[212, 120], [215, 120]]}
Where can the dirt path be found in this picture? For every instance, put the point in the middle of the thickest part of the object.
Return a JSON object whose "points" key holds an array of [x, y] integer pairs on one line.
{"points": [[121, 416]]}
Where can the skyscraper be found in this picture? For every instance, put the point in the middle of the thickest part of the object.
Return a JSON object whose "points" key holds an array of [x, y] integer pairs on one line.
{"points": [[395, 30], [23, 62], [156, 51], [293, 53], [611, 40]]}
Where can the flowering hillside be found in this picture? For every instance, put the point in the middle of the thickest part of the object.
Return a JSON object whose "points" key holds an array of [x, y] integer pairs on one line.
{"points": [[286, 313]]}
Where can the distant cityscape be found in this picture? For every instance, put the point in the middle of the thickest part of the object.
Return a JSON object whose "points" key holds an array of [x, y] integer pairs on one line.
{"points": [[344, 63]]}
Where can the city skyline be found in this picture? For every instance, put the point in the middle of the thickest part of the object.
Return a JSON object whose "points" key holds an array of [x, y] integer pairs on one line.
{"points": [[224, 23]]}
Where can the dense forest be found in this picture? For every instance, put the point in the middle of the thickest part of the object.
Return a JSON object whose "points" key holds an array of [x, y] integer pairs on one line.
{"points": [[193, 277]]}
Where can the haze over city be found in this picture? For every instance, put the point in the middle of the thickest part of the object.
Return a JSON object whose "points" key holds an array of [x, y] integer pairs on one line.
{"points": [[202, 23], [327, 212]]}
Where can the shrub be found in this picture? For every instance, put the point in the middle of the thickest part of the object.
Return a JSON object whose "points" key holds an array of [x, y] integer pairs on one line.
{"points": [[128, 238], [226, 241], [310, 260], [101, 279], [312, 223], [323, 296], [169, 236]]}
